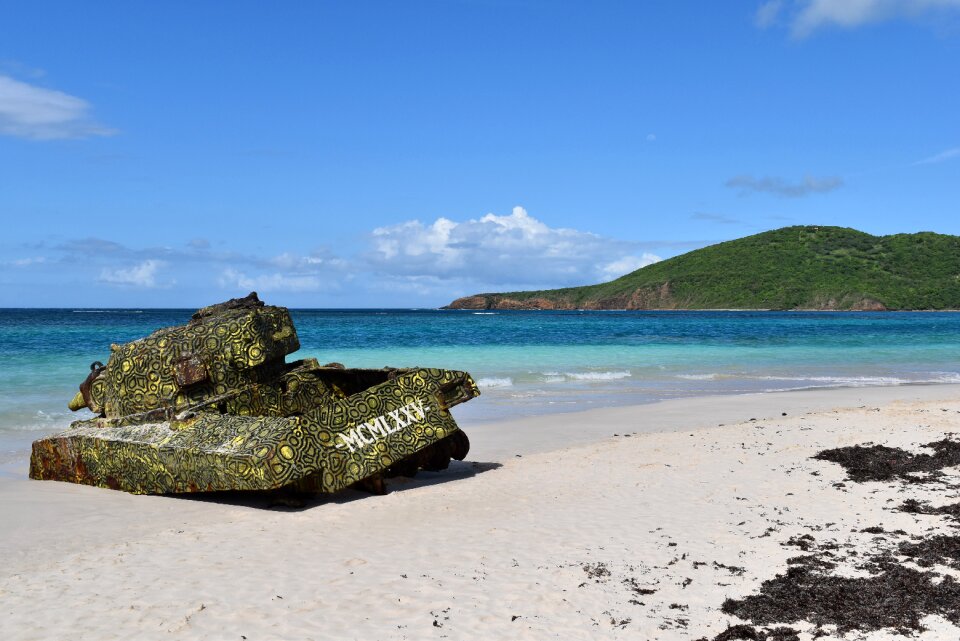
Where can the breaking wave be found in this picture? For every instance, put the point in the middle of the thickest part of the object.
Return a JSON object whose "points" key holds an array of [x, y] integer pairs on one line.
{"points": [[39, 422], [597, 376], [839, 381], [494, 382]]}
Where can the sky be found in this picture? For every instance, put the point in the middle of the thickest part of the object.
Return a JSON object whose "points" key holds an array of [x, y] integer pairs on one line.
{"points": [[402, 154]]}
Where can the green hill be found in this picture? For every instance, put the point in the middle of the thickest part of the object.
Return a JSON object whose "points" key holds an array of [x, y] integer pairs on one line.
{"points": [[790, 268]]}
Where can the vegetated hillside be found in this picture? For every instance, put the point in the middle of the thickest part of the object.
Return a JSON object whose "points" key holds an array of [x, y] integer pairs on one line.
{"points": [[791, 268]]}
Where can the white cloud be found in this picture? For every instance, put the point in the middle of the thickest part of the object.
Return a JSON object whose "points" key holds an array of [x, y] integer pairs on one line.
{"points": [[628, 264], [141, 275], [318, 259], [409, 264], [808, 16], [499, 250], [943, 156], [26, 262], [28, 111], [767, 13], [275, 282]]}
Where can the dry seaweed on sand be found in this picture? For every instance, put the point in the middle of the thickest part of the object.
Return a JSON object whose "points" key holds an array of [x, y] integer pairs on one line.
{"points": [[913, 506], [894, 596], [882, 463], [750, 633], [942, 549], [897, 598]]}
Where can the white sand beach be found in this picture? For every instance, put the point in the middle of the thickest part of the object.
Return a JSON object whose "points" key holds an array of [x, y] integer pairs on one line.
{"points": [[618, 523]]}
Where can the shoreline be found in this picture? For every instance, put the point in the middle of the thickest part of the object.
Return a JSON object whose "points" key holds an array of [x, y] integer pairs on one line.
{"points": [[619, 522], [547, 431]]}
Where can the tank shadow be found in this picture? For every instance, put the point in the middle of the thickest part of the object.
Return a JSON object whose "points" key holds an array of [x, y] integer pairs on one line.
{"points": [[287, 501]]}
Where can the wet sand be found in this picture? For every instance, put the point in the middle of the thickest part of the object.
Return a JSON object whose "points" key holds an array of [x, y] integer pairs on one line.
{"points": [[622, 523]]}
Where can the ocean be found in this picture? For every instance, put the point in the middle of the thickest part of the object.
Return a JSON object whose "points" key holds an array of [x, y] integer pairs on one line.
{"points": [[525, 362]]}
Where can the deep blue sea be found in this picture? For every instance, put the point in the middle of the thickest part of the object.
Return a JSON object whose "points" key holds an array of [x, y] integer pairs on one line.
{"points": [[525, 362]]}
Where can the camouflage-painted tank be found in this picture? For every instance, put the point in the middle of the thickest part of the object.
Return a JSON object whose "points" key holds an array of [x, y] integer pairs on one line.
{"points": [[212, 405]]}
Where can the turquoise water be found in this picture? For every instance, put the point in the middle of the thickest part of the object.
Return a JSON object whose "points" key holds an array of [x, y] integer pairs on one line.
{"points": [[525, 362]]}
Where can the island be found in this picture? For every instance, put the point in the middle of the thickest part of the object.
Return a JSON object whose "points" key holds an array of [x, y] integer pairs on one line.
{"points": [[792, 268]]}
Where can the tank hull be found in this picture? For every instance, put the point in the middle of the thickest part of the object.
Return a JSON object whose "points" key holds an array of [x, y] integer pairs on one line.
{"points": [[400, 423]]}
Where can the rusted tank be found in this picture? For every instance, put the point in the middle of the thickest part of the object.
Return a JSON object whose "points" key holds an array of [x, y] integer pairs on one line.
{"points": [[213, 405]]}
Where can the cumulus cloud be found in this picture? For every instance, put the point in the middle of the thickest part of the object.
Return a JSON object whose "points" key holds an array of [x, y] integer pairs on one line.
{"points": [[409, 262], [28, 111], [807, 16], [943, 156], [498, 250], [773, 185], [141, 275]]}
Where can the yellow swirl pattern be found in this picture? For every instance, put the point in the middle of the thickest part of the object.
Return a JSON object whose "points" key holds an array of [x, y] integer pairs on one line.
{"points": [[212, 406]]}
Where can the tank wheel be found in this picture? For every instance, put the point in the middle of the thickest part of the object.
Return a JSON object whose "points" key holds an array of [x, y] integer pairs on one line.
{"points": [[372, 484], [435, 457], [459, 445], [407, 467]]}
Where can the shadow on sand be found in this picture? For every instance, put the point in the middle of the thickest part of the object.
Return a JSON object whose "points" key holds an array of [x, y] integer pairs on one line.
{"points": [[287, 501]]}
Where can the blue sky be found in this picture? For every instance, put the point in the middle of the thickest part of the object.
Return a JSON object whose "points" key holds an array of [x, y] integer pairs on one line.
{"points": [[401, 154]]}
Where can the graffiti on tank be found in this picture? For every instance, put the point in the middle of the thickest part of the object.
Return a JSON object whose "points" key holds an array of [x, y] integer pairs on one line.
{"points": [[366, 434]]}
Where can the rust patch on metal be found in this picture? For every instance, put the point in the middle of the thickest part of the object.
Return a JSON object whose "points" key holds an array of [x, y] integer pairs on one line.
{"points": [[189, 370]]}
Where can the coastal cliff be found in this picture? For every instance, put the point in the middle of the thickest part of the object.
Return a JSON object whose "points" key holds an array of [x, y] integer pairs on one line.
{"points": [[803, 267]]}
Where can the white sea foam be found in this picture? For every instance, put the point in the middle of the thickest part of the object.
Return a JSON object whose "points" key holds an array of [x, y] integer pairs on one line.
{"points": [[863, 381], [946, 377], [832, 381], [552, 377], [40, 425], [492, 382], [597, 376], [38, 421], [853, 381], [484, 313], [49, 417]]}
